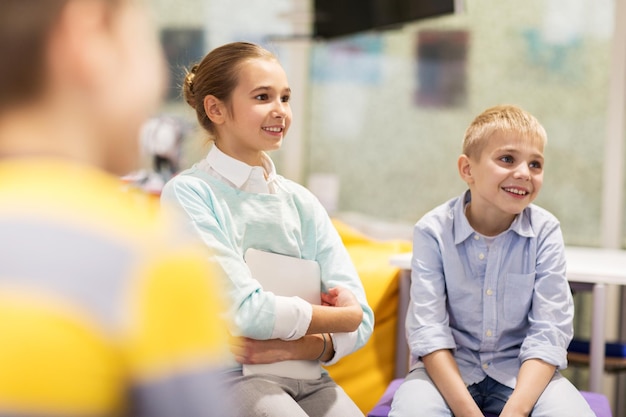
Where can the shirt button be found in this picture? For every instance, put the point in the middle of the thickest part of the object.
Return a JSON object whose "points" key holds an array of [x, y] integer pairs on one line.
{"points": [[485, 366], [489, 291], [476, 237], [488, 333], [481, 256]]}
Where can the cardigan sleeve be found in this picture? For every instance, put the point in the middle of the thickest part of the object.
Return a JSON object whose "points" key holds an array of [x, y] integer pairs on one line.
{"points": [[251, 312], [338, 270]]}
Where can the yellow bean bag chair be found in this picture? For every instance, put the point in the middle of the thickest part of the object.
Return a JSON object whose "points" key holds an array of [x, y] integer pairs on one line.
{"points": [[365, 374]]}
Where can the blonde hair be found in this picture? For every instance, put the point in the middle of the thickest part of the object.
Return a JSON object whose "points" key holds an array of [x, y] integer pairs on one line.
{"points": [[501, 119], [217, 74]]}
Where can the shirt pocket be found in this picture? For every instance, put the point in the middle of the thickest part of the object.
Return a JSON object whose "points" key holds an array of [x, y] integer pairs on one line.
{"points": [[518, 295]]}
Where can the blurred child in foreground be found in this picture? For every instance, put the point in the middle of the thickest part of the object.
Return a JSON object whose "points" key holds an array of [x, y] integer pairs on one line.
{"points": [[491, 311], [105, 307]]}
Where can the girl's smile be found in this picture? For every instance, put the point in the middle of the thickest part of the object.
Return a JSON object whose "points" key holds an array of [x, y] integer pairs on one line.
{"points": [[259, 114], [274, 130]]}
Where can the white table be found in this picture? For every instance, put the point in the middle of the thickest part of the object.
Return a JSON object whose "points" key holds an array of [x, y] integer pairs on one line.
{"points": [[594, 267]]}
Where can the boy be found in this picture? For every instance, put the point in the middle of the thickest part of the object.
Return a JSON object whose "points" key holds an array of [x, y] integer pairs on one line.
{"points": [[106, 307], [491, 311]]}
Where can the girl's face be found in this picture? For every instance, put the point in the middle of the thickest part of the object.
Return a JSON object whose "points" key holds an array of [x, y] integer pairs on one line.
{"points": [[259, 114]]}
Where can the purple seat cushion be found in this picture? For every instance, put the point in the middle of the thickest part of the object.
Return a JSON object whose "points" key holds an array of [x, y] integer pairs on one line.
{"points": [[598, 402], [383, 406]]}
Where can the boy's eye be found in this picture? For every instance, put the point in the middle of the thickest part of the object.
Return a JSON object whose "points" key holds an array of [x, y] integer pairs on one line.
{"points": [[506, 159], [261, 97], [285, 99], [535, 164]]}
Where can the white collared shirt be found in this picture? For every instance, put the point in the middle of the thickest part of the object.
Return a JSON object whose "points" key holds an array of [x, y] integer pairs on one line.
{"points": [[238, 174]]}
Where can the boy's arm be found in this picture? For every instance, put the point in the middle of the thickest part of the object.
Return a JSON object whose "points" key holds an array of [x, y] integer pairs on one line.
{"points": [[533, 377], [552, 308], [444, 373]]}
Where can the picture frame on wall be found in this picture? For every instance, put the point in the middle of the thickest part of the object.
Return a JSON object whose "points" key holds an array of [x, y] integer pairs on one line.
{"points": [[182, 47], [441, 68]]}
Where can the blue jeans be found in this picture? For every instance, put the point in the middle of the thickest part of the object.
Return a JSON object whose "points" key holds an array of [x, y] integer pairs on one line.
{"points": [[490, 395]]}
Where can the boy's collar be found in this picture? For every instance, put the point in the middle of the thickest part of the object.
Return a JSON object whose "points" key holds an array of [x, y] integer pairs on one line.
{"points": [[463, 230]]}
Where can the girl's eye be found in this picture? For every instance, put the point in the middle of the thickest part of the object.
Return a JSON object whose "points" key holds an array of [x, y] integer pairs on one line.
{"points": [[506, 159], [261, 97], [535, 165], [285, 99]]}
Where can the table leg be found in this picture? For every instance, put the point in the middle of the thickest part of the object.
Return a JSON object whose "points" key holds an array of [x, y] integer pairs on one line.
{"points": [[402, 347], [596, 348]]}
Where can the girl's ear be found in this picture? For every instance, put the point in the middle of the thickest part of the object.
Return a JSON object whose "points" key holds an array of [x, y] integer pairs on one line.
{"points": [[215, 109], [465, 169]]}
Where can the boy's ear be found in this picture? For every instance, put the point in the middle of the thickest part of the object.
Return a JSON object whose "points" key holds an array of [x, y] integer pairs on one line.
{"points": [[465, 169], [215, 109], [72, 56]]}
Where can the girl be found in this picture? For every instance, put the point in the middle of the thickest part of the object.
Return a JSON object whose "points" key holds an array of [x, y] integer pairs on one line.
{"points": [[235, 200]]}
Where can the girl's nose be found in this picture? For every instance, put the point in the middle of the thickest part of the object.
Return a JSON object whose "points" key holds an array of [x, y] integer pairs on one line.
{"points": [[280, 109]]}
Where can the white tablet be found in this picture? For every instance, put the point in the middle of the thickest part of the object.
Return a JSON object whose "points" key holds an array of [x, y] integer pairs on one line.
{"points": [[286, 276]]}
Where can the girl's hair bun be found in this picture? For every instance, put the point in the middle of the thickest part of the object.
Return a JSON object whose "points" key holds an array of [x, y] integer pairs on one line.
{"points": [[188, 91]]}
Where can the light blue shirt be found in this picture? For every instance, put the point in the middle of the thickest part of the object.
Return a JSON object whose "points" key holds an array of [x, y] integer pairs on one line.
{"points": [[281, 217], [495, 304]]}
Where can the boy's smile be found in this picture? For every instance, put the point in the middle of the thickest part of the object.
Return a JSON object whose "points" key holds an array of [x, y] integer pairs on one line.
{"points": [[504, 179]]}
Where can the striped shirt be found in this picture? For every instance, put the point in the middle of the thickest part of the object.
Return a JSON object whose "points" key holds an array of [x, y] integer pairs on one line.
{"points": [[106, 308]]}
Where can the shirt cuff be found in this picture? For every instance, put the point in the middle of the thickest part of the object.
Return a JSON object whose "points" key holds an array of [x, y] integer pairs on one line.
{"points": [[343, 344], [293, 318], [429, 340], [554, 355]]}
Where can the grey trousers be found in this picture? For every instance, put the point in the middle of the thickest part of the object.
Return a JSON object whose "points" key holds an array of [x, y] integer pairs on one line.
{"points": [[270, 396], [418, 396]]}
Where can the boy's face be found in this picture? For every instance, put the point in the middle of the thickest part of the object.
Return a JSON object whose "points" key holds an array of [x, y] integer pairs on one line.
{"points": [[505, 178], [129, 82]]}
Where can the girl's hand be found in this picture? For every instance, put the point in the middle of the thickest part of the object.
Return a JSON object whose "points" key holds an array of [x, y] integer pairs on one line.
{"points": [[345, 299], [252, 351], [340, 297]]}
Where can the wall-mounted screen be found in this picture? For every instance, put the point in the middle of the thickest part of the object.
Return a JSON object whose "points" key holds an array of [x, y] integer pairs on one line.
{"points": [[334, 18]]}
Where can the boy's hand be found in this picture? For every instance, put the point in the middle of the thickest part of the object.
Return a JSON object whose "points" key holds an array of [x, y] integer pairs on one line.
{"points": [[507, 412], [533, 377]]}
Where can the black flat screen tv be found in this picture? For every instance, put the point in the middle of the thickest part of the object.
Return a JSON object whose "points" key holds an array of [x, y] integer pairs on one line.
{"points": [[335, 18]]}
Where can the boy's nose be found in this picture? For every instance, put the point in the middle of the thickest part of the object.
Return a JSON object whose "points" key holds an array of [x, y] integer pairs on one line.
{"points": [[522, 172]]}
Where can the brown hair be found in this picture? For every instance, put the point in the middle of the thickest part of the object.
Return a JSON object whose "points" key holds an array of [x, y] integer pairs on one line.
{"points": [[217, 75], [501, 119], [25, 27]]}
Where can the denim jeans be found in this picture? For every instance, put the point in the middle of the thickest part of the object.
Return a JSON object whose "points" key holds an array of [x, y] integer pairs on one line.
{"points": [[490, 395]]}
